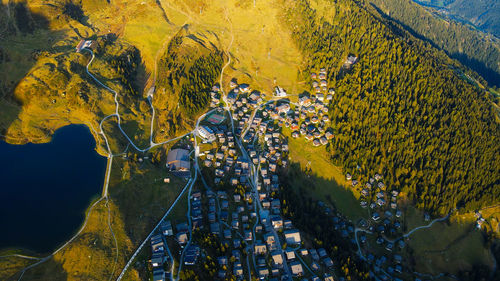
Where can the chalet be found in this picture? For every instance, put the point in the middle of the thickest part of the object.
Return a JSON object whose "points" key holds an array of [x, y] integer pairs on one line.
{"points": [[292, 236], [328, 277], [328, 262], [269, 240], [182, 238], [248, 235], [279, 92], [260, 248], [158, 259], [215, 228], [244, 87], [277, 257], [166, 228], [277, 222], [290, 254], [314, 254], [296, 268], [351, 60], [316, 142], [83, 44], [263, 273], [322, 252], [238, 270], [192, 253], [158, 274], [315, 266]]}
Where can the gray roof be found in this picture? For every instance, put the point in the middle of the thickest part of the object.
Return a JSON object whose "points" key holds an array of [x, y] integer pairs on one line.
{"points": [[178, 159]]}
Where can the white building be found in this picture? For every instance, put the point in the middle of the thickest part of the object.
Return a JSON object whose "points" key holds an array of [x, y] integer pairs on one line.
{"points": [[206, 133]]}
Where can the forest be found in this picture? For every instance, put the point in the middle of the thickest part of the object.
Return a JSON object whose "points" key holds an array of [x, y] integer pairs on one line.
{"points": [[189, 72], [471, 47], [401, 110]]}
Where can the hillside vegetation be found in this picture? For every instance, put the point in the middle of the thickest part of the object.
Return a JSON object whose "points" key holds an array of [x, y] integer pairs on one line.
{"points": [[401, 111], [483, 14], [475, 49]]}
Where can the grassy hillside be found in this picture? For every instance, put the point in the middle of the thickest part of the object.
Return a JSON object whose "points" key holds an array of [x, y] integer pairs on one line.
{"points": [[402, 110]]}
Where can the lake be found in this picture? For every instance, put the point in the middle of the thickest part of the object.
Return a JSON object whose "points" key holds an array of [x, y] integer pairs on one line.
{"points": [[46, 188]]}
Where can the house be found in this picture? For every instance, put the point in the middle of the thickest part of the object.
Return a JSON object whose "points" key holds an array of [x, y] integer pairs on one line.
{"points": [[279, 92], [182, 238], [351, 60], [248, 235], [328, 262], [215, 228], [158, 274], [83, 44], [238, 270], [277, 222], [260, 248], [314, 254], [322, 252], [222, 260], [221, 274], [292, 236], [277, 257], [328, 277], [296, 268], [244, 87], [290, 254], [158, 259], [192, 254], [269, 239], [166, 228], [263, 273], [157, 243], [178, 162]]}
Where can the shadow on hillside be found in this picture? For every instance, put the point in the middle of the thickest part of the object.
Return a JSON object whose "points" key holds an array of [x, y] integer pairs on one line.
{"points": [[18, 53], [50, 269], [490, 75], [310, 184]]}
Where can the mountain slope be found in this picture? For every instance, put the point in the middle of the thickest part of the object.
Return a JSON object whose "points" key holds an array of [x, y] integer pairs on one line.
{"points": [[402, 110], [483, 14], [475, 49]]}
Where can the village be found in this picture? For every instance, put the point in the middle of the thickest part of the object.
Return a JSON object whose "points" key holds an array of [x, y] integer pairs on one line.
{"points": [[241, 153]]}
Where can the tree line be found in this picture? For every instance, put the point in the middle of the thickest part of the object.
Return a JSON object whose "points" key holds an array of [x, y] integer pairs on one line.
{"points": [[401, 110]]}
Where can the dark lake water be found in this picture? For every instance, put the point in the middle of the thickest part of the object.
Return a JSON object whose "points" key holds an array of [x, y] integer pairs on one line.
{"points": [[46, 188]]}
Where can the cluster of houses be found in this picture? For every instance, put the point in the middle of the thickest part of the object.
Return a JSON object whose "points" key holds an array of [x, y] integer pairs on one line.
{"points": [[158, 257], [311, 120], [161, 258], [385, 221], [250, 221]]}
